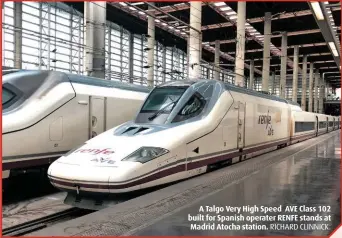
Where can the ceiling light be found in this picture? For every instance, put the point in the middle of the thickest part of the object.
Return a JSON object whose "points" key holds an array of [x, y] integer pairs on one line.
{"points": [[233, 17], [164, 24], [123, 4], [142, 13], [183, 33], [317, 10], [335, 52], [137, 3], [225, 8], [230, 13], [132, 8], [218, 4], [156, 20], [332, 45]]}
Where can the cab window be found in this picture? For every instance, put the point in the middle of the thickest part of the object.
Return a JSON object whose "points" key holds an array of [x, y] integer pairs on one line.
{"points": [[7, 97], [191, 109], [163, 99]]}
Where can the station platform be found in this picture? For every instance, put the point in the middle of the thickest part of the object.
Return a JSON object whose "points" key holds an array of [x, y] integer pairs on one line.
{"points": [[304, 174]]}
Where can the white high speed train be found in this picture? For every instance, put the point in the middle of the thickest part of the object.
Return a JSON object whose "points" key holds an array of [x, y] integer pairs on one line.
{"points": [[47, 113], [182, 129]]}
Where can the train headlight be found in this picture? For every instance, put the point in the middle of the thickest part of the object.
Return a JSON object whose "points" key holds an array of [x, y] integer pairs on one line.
{"points": [[145, 154]]}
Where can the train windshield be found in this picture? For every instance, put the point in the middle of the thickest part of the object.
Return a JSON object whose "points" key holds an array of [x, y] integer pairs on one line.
{"points": [[172, 104], [163, 99], [7, 96]]}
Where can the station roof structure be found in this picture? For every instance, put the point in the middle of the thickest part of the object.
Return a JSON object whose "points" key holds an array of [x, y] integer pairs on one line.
{"points": [[310, 30]]}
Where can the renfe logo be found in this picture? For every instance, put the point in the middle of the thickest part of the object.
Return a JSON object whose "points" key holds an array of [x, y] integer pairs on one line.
{"points": [[106, 151]]}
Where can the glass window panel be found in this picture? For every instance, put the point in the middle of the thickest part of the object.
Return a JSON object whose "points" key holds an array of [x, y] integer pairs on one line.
{"points": [[9, 37], [9, 11], [30, 42], [64, 29], [31, 4], [62, 64], [9, 46], [115, 68], [29, 50], [29, 65], [9, 20], [62, 20], [30, 18], [29, 26], [9, 4]]}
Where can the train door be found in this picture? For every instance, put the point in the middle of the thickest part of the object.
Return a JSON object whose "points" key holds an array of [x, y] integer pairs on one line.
{"points": [[241, 126], [96, 116], [333, 123], [317, 125]]}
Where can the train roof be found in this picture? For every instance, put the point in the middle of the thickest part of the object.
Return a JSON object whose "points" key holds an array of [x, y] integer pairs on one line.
{"points": [[75, 78], [81, 79], [230, 87], [9, 71], [251, 92], [293, 103], [177, 83]]}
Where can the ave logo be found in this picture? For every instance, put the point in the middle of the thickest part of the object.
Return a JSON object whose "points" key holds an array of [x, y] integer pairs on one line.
{"points": [[106, 151], [103, 160], [291, 209]]}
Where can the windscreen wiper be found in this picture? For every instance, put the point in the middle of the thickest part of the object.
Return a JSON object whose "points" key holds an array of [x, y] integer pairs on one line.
{"points": [[157, 113]]}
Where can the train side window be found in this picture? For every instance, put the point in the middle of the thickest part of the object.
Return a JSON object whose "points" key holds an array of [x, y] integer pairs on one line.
{"points": [[191, 109], [7, 97], [10, 95], [304, 126]]}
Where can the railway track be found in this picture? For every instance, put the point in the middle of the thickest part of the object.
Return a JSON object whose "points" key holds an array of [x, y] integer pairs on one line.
{"points": [[40, 223]]}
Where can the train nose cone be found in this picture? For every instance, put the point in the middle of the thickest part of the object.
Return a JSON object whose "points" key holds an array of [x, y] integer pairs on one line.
{"points": [[89, 178]]}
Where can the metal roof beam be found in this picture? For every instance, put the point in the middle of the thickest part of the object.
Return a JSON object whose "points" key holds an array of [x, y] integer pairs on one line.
{"points": [[176, 7], [300, 56], [225, 11], [289, 47], [171, 28], [293, 33], [325, 22], [262, 19], [316, 62]]}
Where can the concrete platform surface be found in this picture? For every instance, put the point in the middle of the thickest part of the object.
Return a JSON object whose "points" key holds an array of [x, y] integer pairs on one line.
{"points": [[305, 174]]}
